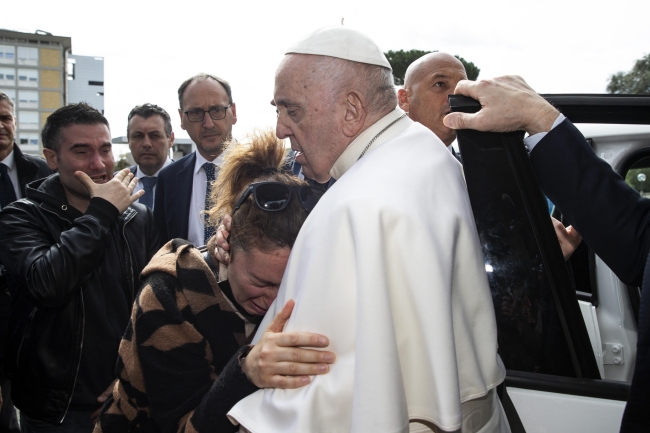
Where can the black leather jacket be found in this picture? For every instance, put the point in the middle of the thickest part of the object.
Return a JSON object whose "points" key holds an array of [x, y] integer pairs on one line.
{"points": [[52, 254]]}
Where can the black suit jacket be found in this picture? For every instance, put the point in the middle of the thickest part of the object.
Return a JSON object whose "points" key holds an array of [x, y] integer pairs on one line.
{"points": [[173, 198], [615, 221], [30, 168]]}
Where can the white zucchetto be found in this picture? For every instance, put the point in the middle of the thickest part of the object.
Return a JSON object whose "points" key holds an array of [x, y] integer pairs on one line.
{"points": [[343, 43]]}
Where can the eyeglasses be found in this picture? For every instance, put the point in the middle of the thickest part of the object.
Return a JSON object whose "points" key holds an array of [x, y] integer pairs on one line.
{"points": [[275, 196], [216, 113]]}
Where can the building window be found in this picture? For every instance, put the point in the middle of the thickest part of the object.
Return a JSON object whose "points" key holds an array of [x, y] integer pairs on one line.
{"points": [[29, 138], [71, 68], [7, 54], [7, 77], [27, 99], [28, 120], [9, 92], [27, 77], [28, 56], [95, 83]]}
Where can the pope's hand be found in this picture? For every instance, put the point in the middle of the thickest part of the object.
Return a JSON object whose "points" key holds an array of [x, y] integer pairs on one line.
{"points": [[117, 190], [278, 359], [507, 104]]}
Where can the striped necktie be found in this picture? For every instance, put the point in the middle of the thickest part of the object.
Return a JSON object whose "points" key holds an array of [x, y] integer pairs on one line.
{"points": [[211, 174]]}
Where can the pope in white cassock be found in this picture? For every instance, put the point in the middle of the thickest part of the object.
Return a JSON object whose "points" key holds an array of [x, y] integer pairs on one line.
{"points": [[388, 265]]}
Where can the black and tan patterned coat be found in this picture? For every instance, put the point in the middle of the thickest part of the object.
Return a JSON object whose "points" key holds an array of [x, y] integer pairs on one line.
{"points": [[178, 366]]}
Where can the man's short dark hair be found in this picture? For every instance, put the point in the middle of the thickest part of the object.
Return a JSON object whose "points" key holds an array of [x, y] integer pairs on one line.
{"points": [[5, 97], [73, 114], [198, 77], [146, 111]]}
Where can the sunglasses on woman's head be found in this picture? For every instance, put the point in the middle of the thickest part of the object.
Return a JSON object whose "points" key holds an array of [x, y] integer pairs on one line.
{"points": [[275, 196]]}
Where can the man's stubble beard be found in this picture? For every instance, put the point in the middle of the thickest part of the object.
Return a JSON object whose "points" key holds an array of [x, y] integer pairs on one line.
{"points": [[220, 148]]}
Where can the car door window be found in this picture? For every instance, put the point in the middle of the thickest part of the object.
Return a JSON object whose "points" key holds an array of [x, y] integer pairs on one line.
{"points": [[638, 176], [540, 327]]}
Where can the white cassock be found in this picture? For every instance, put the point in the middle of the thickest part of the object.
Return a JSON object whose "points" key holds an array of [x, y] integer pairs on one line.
{"points": [[389, 267]]}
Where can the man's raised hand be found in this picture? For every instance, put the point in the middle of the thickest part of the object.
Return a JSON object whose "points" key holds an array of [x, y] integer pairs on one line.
{"points": [[507, 104], [118, 191]]}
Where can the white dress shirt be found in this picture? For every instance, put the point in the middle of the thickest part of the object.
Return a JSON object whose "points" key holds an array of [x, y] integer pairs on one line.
{"points": [[140, 174], [532, 140], [195, 229], [10, 162]]}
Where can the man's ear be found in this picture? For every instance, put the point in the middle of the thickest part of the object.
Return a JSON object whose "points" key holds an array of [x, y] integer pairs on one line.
{"points": [[355, 114], [233, 107], [403, 96], [171, 140], [180, 112], [51, 158]]}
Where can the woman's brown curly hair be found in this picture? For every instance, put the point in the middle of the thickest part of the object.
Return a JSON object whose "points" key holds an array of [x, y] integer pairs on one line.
{"points": [[260, 157]]}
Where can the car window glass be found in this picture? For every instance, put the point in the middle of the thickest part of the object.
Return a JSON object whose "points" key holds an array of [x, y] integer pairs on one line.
{"points": [[524, 263], [638, 176]]}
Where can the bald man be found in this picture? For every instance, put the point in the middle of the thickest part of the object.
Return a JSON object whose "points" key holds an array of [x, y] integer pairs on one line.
{"points": [[428, 82]]}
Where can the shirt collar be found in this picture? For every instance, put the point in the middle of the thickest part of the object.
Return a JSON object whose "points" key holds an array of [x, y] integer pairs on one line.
{"points": [[167, 162], [355, 149], [200, 160], [10, 161]]}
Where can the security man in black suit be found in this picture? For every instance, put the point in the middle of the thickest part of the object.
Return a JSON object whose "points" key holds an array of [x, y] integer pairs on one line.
{"points": [[16, 171], [25, 167], [150, 135]]}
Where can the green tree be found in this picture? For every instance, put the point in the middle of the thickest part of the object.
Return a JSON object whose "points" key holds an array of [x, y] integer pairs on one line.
{"points": [[471, 69], [635, 81], [639, 179], [121, 163], [401, 60]]}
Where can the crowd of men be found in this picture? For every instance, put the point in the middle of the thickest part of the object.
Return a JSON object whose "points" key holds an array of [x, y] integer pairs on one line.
{"points": [[75, 248], [76, 235]]}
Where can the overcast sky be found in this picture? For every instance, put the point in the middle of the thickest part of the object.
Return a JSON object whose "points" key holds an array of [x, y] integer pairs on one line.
{"points": [[150, 47]]}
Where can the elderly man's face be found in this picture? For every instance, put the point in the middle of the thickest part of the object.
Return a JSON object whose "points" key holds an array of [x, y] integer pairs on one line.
{"points": [[307, 116], [209, 134], [425, 95]]}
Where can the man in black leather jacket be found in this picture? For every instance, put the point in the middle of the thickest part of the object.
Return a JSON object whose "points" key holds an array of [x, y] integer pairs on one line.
{"points": [[73, 249]]}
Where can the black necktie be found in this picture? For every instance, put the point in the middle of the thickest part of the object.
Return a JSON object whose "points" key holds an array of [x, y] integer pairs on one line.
{"points": [[7, 192], [210, 173], [148, 183]]}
